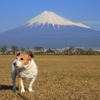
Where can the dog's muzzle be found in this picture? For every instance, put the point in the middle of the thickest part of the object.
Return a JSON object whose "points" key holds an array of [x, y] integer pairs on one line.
{"points": [[14, 64]]}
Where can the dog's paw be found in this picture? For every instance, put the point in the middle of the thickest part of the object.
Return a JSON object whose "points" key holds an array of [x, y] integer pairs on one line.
{"points": [[30, 90], [22, 90]]}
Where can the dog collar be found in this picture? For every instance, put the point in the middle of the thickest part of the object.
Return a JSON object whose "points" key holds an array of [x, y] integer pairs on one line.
{"points": [[26, 66]]}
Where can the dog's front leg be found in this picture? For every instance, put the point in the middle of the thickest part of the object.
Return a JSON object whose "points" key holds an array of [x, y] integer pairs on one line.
{"points": [[31, 83], [22, 86]]}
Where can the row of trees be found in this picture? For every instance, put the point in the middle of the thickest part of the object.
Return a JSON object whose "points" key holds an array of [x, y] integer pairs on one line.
{"points": [[72, 50], [5, 50]]}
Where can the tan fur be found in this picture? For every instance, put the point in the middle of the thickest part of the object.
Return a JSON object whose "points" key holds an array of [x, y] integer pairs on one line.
{"points": [[25, 58]]}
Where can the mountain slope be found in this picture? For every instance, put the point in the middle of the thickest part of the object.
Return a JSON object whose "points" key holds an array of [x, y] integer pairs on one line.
{"points": [[51, 18], [52, 31]]}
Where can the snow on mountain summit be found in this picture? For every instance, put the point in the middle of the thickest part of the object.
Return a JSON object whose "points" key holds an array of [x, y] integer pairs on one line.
{"points": [[48, 17]]}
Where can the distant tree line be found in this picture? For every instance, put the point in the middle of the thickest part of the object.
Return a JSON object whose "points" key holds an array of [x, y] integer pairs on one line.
{"points": [[39, 50]]}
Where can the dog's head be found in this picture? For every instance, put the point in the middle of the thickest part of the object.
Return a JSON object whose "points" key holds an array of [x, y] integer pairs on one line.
{"points": [[22, 59]]}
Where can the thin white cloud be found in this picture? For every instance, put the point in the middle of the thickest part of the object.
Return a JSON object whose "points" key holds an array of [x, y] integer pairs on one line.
{"points": [[91, 22]]}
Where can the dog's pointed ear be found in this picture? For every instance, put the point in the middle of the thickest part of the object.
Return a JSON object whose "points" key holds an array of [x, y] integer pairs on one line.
{"points": [[18, 53], [30, 54]]}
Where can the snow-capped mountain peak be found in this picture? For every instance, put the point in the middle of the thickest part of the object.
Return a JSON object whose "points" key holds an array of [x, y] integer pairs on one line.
{"points": [[48, 17]]}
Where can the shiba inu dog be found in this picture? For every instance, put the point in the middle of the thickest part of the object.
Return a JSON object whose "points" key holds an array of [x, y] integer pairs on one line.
{"points": [[25, 67]]}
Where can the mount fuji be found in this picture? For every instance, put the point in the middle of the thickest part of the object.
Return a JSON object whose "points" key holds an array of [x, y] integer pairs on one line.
{"points": [[51, 30]]}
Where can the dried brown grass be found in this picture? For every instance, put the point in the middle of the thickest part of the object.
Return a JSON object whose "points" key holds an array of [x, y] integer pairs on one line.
{"points": [[59, 78]]}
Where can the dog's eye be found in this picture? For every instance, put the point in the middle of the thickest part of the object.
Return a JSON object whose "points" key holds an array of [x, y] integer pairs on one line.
{"points": [[21, 59]]}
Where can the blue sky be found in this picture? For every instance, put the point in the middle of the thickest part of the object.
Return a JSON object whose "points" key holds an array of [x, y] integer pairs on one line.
{"points": [[17, 12]]}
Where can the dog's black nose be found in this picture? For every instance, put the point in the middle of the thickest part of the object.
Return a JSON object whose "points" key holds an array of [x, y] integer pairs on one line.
{"points": [[14, 64]]}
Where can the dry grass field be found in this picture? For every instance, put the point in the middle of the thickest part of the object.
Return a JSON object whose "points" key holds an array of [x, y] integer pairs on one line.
{"points": [[59, 78]]}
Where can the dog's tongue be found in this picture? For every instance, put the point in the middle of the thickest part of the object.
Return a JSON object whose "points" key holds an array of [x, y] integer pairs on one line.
{"points": [[21, 70], [19, 73]]}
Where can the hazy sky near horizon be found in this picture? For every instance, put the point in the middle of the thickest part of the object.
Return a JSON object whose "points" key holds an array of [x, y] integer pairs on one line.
{"points": [[14, 13]]}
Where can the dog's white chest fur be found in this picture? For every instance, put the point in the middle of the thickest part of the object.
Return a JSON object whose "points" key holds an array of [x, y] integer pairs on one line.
{"points": [[30, 71]]}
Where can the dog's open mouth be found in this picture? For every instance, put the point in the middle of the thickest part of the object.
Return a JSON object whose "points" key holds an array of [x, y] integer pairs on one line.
{"points": [[20, 68]]}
